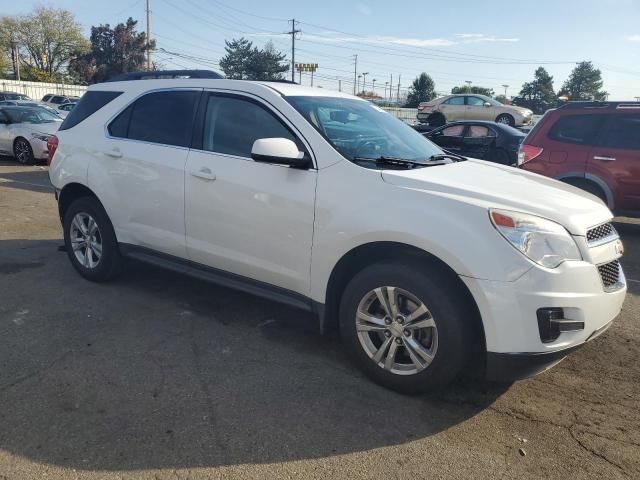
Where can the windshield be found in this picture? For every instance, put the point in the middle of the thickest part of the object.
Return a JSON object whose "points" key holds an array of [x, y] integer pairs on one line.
{"points": [[31, 115], [358, 129]]}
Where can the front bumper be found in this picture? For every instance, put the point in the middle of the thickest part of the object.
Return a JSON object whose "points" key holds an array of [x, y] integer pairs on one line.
{"points": [[509, 313]]}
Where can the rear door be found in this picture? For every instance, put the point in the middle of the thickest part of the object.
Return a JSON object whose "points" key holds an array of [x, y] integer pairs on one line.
{"points": [[616, 160], [477, 141], [139, 174], [453, 109], [6, 138], [569, 142], [251, 218]]}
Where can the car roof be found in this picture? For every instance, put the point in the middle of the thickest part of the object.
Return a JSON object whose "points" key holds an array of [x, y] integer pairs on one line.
{"points": [[285, 89]]}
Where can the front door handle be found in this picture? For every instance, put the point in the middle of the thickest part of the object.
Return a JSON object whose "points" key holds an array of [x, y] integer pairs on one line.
{"points": [[604, 159], [204, 173]]}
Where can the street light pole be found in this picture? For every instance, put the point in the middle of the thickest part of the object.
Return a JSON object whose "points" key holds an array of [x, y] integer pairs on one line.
{"points": [[364, 81], [358, 86], [505, 90], [373, 88]]}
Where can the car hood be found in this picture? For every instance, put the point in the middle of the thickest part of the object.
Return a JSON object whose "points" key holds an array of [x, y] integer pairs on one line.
{"points": [[490, 185]]}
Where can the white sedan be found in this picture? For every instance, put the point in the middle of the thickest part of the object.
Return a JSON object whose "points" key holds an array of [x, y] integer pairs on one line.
{"points": [[24, 132]]}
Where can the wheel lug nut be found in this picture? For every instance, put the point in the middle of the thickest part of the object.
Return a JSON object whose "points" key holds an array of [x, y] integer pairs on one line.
{"points": [[398, 341], [407, 333], [400, 320], [387, 333]]}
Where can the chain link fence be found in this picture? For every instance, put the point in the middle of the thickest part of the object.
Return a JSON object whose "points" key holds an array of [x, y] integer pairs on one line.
{"points": [[37, 90]]}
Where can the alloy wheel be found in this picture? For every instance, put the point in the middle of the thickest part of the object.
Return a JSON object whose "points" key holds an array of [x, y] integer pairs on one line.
{"points": [[86, 240], [396, 330], [22, 151]]}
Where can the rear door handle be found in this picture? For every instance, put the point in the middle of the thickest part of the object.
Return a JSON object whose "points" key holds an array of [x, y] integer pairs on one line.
{"points": [[204, 173], [115, 153], [604, 159]]}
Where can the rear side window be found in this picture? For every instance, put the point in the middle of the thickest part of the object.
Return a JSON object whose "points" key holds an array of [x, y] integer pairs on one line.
{"points": [[90, 103], [623, 131], [578, 129], [455, 101], [159, 117]]}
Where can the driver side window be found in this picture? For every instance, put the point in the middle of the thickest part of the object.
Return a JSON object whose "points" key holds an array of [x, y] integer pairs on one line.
{"points": [[475, 101], [232, 124]]}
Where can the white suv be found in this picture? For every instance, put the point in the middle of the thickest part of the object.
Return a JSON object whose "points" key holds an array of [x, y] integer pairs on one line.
{"points": [[323, 201]]}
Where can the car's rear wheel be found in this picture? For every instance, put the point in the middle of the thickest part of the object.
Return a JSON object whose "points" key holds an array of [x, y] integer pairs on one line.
{"points": [[406, 329], [90, 240], [436, 120], [22, 151], [506, 119]]}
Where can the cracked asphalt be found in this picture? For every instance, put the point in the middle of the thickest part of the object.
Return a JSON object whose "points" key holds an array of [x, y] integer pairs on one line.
{"points": [[160, 376]]}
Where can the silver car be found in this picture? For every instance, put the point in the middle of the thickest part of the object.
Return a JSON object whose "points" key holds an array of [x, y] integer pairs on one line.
{"points": [[24, 132]]}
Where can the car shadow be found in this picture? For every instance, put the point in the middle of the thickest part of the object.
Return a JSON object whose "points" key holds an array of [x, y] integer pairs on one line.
{"points": [[24, 177], [158, 370]]}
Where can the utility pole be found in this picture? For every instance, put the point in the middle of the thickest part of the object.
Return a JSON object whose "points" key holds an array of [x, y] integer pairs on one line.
{"points": [[16, 59], [339, 85], [148, 34], [390, 87], [505, 91], [293, 48], [398, 94], [358, 83], [373, 88], [355, 73]]}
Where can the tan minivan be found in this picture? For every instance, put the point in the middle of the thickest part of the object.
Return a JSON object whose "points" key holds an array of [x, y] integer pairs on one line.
{"points": [[471, 107]]}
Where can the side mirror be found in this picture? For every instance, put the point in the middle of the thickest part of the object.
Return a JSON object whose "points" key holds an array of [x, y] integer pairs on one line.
{"points": [[487, 104], [281, 151]]}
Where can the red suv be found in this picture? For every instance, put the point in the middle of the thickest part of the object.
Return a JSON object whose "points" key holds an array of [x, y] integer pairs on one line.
{"points": [[592, 145]]}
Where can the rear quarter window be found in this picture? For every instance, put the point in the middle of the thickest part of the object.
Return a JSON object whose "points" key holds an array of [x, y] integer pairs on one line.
{"points": [[577, 129], [90, 103]]}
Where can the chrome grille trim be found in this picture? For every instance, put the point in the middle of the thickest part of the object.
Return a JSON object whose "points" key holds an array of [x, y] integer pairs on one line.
{"points": [[601, 234], [610, 274]]}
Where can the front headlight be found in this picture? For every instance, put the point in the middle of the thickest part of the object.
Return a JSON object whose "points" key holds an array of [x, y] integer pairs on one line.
{"points": [[545, 242]]}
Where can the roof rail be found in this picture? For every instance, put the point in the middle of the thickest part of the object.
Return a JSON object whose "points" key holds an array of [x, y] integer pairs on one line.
{"points": [[162, 74], [595, 104]]}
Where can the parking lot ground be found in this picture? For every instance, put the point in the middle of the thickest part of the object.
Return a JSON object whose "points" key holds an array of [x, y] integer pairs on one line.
{"points": [[160, 376]]}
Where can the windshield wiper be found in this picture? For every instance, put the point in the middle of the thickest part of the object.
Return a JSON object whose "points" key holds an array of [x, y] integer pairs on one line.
{"points": [[447, 156], [393, 161]]}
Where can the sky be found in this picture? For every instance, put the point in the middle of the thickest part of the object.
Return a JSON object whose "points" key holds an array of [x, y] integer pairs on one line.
{"points": [[490, 43]]}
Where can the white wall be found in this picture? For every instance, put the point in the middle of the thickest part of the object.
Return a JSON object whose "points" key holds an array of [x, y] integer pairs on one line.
{"points": [[37, 90]]}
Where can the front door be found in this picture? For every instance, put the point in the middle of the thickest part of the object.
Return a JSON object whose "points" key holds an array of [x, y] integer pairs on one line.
{"points": [[253, 219], [616, 160], [477, 110]]}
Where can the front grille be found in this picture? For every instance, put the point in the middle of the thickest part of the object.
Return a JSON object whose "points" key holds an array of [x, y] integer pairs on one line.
{"points": [[610, 274], [601, 231]]}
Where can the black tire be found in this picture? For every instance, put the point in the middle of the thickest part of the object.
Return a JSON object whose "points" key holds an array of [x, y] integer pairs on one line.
{"points": [[22, 151], [436, 120], [499, 155], [447, 306], [109, 264], [506, 119]]}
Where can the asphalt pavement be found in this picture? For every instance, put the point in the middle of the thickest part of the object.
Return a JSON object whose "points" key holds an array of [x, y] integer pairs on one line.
{"points": [[161, 376]]}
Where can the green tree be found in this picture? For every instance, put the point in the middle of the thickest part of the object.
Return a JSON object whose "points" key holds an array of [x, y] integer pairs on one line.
{"points": [[113, 51], [537, 95], [421, 90], [473, 89], [584, 83], [8, 46], [245, 61], [47, 40]]}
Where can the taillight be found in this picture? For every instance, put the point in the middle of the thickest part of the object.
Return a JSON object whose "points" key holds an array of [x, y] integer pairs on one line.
{"points": [[527, 153], [52, 145]]}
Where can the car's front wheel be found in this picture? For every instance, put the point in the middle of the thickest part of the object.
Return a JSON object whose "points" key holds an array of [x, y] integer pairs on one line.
{"points": [[22, 151], [405, 327], [91, 241], [506, 119]]}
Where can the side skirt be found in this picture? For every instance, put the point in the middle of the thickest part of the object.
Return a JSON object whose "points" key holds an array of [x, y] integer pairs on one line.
{"points": [[220, 277]]}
